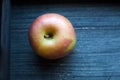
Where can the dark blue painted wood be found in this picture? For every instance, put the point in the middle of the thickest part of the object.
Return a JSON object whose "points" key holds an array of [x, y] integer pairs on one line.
{"points": [[5, 39], [96, 55], [0, 33], [20, 2]]}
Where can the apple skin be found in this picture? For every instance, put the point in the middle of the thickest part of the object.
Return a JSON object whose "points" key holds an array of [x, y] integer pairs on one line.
{"points": [[52, 36]]}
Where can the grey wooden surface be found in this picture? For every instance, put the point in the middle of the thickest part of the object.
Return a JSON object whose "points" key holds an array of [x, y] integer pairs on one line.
{"points": [[96, 55], [4, 39]]}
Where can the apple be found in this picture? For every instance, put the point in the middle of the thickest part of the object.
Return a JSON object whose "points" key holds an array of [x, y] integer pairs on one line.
{"points": [[52, 36]]}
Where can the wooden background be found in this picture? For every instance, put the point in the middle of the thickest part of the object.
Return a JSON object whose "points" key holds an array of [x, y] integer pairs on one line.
{"points": [[96, 55]]}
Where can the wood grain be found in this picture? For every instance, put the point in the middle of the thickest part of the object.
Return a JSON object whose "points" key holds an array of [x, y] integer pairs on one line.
{"points": [[5, 41], [96, 55]]}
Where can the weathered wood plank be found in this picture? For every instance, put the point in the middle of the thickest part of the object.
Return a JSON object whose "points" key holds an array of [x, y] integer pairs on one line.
{"points": [[5, 37], [96, 55]]}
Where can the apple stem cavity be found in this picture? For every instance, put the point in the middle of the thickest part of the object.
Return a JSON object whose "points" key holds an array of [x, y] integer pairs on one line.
{"points": [[48, 36]]}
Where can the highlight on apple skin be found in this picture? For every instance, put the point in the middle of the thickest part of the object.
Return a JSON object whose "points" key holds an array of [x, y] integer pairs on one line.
{"points": [[52, 36]]}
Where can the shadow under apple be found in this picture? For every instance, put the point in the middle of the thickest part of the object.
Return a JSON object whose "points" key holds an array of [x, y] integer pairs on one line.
{"points": [[53, 69]]}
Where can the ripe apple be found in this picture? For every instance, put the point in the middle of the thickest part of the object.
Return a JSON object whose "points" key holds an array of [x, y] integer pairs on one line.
{"points": [[52, 36]]}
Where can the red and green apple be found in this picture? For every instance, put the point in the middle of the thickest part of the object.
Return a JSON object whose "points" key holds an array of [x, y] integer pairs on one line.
{"points": [[52, 36]]}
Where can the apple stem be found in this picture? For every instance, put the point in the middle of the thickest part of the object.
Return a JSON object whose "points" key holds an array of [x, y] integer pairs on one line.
{"points": [[46, 36]]}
